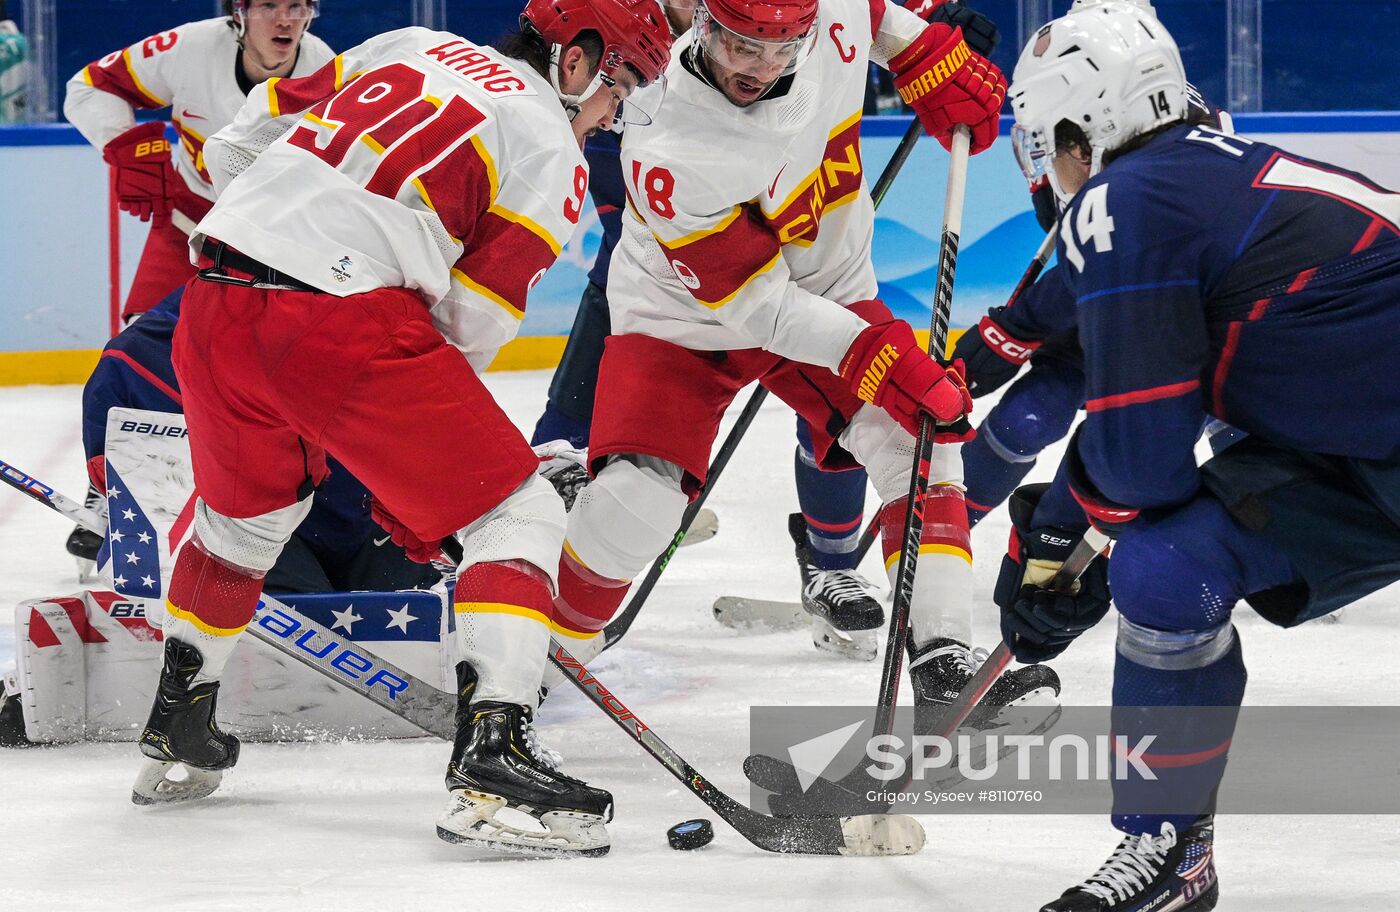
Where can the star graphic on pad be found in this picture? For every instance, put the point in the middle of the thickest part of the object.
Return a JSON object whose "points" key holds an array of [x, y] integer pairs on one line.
{"points": [[128, 515], [114, 491], [117, 535], [119, 580], [133, 558], [401, 618], [345, 619], [143, 538], [148, 582]]}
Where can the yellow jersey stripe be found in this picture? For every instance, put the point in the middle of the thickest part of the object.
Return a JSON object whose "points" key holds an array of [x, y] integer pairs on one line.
{"points": [[703, 232], [136, 80], [272, 104], [487, 293], [716, 305], [931, 548], [183, 615], [523, 612]]}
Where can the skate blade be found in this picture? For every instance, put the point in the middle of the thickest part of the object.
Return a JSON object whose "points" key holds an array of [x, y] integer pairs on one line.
{"points": [[154, 786], [472, 821], [704, 528], [857, 645], [87, 570], [758, 615], [881, 834]]}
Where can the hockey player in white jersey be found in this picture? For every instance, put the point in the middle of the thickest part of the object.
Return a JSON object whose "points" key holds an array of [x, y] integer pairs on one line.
{"points": [[389, 215], [746, 255], [203, 71]]}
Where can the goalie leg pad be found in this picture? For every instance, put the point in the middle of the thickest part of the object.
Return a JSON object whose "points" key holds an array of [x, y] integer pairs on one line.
{"points": [[527, 526], [503, 613]]}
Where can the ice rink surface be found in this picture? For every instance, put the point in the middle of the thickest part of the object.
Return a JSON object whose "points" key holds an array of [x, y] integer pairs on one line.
{"points": [[349, 826]]}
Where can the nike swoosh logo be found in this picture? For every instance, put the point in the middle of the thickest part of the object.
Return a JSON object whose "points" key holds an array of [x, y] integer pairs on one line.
{"points": [[188, 115], [379, 542], [773, 187]]}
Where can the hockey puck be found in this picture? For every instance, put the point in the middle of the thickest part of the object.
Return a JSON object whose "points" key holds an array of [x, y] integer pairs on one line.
{"points": [[692, 834]]}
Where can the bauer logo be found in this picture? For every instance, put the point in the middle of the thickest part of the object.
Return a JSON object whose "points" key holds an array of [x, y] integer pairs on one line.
{"points": [[154, 430], [326, 650]]}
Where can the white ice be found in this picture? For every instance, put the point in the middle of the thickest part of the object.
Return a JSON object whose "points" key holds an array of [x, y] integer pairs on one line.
{"points": [[350, 825]]}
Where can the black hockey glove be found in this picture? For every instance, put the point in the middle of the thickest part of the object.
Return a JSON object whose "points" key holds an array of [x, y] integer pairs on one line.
{"points": [[991, 355], [1038, 623], [981, 33]]}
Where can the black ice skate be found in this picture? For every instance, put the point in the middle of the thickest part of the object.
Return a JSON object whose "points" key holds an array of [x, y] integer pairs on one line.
{"points": [[1023, 701], [12, 732], [182, 731], [844, 614], [84, 545], [497, 764], [1167, 873]]}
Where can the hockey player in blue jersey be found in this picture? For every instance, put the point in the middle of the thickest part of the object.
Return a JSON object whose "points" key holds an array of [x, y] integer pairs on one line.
{"points": [[1258, 301], [1040, 406], [827, 531]]}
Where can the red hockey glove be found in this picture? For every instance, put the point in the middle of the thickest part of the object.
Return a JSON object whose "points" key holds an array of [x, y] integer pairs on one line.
{"points": [[992, 355], [417, 550], [141, 158], [981, 33], [947, 84], [886, 367]]}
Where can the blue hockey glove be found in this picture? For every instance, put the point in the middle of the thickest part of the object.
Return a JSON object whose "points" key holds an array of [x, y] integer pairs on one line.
{"points": [[1039, 623], [992, 356]]}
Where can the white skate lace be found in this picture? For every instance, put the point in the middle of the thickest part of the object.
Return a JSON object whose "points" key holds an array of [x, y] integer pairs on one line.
{"points": [[546, 755], [1131, 867], [840, 586], [964, 659]]}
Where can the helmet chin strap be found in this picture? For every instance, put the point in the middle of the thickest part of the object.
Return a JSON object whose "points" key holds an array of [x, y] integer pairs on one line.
{"points": [[572, 103], [1095, 166]]}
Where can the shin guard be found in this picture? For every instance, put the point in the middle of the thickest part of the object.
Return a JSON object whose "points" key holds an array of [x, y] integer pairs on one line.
{"points": [[209, 605], [503, 612], [942, 603]]}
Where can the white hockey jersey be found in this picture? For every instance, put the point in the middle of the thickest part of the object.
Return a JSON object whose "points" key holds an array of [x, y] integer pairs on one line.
{"points": [[751, 227], [416, 160], [190, 69]]}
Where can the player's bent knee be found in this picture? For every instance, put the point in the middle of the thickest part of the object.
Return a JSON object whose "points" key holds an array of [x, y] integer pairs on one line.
{"points": [[252, 543], [527, 526], [886, 450], [1174, 650], [626, 516], [1160, 581]]}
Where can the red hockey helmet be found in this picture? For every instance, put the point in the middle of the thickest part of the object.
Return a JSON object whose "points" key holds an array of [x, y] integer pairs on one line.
{"points": [[765, 20], [634, 32]]}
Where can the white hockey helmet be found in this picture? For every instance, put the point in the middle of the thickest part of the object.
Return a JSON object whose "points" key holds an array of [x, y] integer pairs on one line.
{"points": [[1109, 68], [1144, 5]]}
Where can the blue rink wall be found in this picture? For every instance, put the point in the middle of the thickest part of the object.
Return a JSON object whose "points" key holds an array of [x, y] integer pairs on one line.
{"points": [[54, 258]]}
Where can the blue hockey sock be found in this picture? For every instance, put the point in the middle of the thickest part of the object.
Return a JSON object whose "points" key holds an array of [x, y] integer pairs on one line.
{"points": [[833, 504], [1182, 688], [991, 472]]}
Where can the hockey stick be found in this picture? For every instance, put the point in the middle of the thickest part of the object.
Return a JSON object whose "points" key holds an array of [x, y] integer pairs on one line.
{"points": [[432, 710], [863, 834], [777, 776], [619, 625], [923, 450], [291, 633]]}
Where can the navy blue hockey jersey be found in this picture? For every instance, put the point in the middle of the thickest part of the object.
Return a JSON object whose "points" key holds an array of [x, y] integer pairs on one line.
{"points": [[1212, 274]]}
